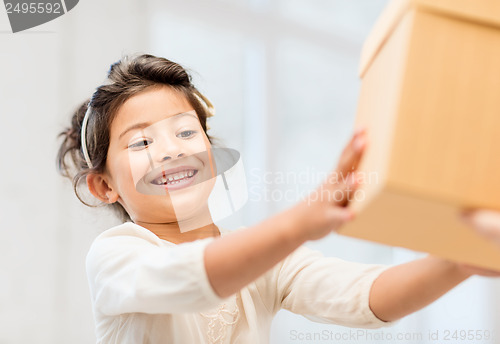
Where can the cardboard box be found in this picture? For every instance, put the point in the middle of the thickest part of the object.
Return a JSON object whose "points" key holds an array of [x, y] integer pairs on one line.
{"points": [[430, 98]]}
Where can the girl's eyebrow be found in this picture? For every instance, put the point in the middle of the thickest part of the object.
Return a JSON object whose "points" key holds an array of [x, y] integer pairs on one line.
{"points": [[143, 125], [134, 127]]}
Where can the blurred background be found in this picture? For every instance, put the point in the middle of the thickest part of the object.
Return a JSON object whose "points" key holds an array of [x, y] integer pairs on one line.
{"points": [[283, 75]]}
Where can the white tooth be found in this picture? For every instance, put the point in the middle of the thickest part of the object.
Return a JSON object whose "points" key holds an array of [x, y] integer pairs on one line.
{"points": [[170, 179], [190, 173]]}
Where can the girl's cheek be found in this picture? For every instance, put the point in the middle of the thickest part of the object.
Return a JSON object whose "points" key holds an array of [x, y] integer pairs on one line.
{"points": [[138, 165], [201, 144], [209, 167]]}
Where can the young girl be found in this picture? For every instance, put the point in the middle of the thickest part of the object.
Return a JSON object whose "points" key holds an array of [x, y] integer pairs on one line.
{"points": [[153, 281]]}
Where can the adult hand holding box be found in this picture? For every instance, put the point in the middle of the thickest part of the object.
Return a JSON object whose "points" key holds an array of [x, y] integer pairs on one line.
{"points": [[430, 98]]}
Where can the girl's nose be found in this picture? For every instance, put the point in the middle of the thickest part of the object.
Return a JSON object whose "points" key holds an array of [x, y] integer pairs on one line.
{"points": [[168, 149], [168, 157]]}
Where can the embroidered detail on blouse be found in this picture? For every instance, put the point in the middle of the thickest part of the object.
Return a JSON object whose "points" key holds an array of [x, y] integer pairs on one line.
{"points": [[219, 320]]}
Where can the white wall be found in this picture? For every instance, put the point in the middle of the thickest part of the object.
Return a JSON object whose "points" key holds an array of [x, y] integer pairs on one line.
{"points": [[283, 76], [45, 232]]}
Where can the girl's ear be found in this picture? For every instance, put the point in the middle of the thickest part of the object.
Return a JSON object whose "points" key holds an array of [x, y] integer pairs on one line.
{"points": [[100, 188]]}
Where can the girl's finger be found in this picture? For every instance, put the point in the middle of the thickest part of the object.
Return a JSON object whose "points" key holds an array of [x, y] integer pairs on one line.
{"points": [[479, 271], [352, 153], [344, 190], [336, 195], [338, 216]]}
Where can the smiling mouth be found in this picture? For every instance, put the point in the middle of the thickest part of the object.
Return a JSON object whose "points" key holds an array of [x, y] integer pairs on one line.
{"points": [[173, 179]]}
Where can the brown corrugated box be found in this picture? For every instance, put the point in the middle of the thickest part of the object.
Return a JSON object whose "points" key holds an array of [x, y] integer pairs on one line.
{"points": [[430, 98]]}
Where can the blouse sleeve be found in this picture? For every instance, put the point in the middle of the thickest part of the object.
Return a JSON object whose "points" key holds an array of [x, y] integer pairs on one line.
{"points": [[129, 273], [328, 290]]}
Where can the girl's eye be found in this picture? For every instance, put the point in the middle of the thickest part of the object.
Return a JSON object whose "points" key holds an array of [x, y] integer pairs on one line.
{"points": [[186, 134], [140, 144]]}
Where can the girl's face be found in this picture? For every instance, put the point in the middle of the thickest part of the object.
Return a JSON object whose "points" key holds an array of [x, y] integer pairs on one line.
{"points": [[159, 160]]}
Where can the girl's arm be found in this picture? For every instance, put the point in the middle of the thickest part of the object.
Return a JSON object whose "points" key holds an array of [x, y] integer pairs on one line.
{"points": [[406, 288], [237, 259]]}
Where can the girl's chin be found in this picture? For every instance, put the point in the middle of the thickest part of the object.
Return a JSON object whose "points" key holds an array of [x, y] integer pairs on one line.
{"points": [[168, 210], [181, 205]]}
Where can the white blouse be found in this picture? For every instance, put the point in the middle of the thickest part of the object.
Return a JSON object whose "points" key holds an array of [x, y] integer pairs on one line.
{"points": [[148, 290]]}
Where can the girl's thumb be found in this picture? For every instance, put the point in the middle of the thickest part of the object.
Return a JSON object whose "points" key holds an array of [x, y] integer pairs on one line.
{"points": [[338, 216]]}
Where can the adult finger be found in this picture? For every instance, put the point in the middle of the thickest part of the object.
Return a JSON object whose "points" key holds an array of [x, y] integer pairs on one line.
{"points": [[486, 222]]}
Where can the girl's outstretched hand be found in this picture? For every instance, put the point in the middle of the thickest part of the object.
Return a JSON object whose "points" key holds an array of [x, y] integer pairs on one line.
{"points": [[325, 209], [235, 260]]}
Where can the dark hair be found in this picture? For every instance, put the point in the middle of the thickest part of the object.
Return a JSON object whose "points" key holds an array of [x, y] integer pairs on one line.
{"points": [[126, 78]]}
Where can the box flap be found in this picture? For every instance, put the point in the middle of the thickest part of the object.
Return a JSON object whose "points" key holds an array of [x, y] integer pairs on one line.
{"points": [[381, 31], [484, 11]]}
